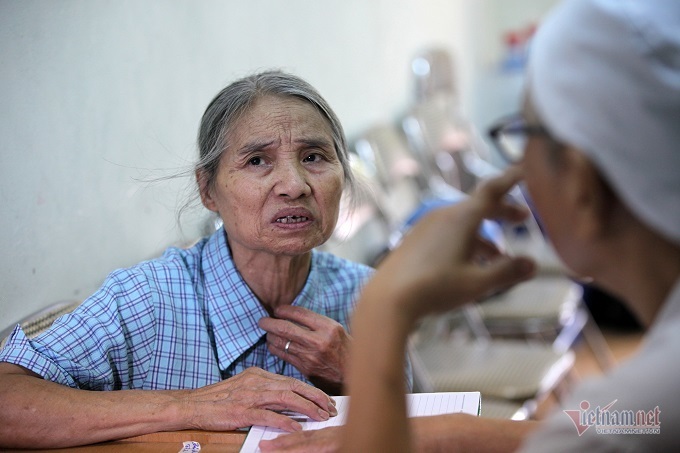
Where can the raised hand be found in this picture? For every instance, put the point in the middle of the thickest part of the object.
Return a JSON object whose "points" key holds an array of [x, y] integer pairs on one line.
{"points": [[443, 262]]}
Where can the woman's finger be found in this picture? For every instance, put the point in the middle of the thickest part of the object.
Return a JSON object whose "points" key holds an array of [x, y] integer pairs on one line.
{"points": [[283, 329]]}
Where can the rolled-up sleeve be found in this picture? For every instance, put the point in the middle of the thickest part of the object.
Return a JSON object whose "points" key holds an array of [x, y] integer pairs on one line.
{"points": [[105, 344], [19, 350]]}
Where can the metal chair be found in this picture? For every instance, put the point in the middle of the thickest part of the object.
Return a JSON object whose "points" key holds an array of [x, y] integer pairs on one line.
{"points": [[433, 73], [538, 308], [508, 370], [447, 145], [437, 106], [491, 407], [404, 191], [513, 376], [445, 141], [398, 179], [520, 311]]}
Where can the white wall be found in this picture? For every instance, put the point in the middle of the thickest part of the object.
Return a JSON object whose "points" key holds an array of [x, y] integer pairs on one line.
{"points": [[99, 96], [495, 91]]}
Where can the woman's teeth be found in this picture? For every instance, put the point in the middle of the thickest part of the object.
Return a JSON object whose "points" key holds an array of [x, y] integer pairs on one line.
{"points": [[292, 219]]}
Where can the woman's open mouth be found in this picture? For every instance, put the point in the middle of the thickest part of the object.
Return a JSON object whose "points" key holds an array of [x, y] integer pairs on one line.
{"points": [[292, 219]]}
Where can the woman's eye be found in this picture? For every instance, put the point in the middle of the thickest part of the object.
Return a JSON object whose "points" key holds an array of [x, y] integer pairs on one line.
{"points": [[312, 158], [255, 161]]}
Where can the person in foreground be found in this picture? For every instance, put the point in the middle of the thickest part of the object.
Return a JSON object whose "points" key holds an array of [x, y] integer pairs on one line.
{"points": [[224, 334], [601, 162]]}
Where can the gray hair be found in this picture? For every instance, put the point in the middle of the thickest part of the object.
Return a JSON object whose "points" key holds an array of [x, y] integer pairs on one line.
{"points": [[236, 98]]}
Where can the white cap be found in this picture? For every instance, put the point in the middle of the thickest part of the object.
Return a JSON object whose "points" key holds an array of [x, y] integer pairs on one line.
{"points": [[604, 76]]}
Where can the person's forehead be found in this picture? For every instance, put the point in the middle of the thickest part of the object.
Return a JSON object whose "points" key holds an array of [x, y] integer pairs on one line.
{"points": [[272, 112], [295, 107], [274, 120]]}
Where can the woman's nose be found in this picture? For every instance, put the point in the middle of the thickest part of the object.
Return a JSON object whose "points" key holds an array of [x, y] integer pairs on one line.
{"points": [[291, 181]]}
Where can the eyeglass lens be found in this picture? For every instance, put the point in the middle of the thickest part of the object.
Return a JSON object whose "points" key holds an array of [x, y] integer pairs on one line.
{"points": [[513, 139]]}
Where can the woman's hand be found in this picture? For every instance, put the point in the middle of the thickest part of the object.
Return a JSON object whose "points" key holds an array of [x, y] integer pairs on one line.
{"points": [[443, 263], [319, 346], [431, 434], [254, 397], [251, 397], [326, 440]]}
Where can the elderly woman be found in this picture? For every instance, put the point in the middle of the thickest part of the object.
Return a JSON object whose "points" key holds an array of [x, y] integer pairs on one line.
{"points": [[598, 145], [225, 334]]}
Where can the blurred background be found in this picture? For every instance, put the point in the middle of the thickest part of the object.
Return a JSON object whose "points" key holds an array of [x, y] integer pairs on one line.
{"points": [[101, 101]]}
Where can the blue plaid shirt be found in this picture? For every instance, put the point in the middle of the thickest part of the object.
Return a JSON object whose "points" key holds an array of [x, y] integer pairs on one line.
{"points": [[184, 320]]}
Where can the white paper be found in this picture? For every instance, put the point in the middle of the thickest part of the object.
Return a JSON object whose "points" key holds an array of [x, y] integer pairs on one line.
{"points": [[418, 404]]}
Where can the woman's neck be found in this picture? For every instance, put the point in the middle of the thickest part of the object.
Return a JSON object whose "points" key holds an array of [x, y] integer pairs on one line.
{"points": [[275, 279]]}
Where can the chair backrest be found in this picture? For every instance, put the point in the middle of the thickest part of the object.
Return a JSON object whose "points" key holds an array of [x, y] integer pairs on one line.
{"points": [[36, 323], [396, 171], [433, 73], [438, 136]]}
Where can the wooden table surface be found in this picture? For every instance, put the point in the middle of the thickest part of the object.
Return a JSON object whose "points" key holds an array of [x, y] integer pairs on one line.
{"points": [[172, 442]]}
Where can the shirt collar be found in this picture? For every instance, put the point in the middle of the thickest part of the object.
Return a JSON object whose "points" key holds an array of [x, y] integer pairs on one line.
{"points": [[233, 308]]}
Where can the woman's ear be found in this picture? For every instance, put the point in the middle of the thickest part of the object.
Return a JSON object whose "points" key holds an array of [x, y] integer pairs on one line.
{"points": [[589, 195], [205, 191]]}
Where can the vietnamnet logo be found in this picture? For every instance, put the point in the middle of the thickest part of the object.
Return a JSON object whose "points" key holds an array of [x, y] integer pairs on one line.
{"points": [[608, 421]]}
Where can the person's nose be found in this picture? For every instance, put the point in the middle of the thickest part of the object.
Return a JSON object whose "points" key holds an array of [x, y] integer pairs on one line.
{"points": [[291, 180]]}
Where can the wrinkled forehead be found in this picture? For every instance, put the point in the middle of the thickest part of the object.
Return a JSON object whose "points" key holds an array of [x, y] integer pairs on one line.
{"points": [[288, 110], [273, 119]]}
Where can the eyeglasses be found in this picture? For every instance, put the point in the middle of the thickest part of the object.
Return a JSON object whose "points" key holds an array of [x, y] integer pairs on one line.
{"points": [[510, 135]]}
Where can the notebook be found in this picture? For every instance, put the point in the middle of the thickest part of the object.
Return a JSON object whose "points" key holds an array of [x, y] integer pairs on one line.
{"points": [[418, 404]]}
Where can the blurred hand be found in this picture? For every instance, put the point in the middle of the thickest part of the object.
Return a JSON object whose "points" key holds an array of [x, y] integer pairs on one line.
{"points": [[319, 346], [251, 398], [326, 440], [430, 434], [443, 263]]}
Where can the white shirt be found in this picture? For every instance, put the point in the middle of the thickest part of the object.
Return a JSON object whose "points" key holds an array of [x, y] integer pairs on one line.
{"points": [[649, 380]]}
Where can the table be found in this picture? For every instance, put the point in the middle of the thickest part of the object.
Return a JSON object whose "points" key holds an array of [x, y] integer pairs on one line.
{"points": [[172, 442]]}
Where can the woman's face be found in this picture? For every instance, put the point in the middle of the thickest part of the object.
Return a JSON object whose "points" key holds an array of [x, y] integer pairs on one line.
{"points": [[279, 181], [550, 181]]}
